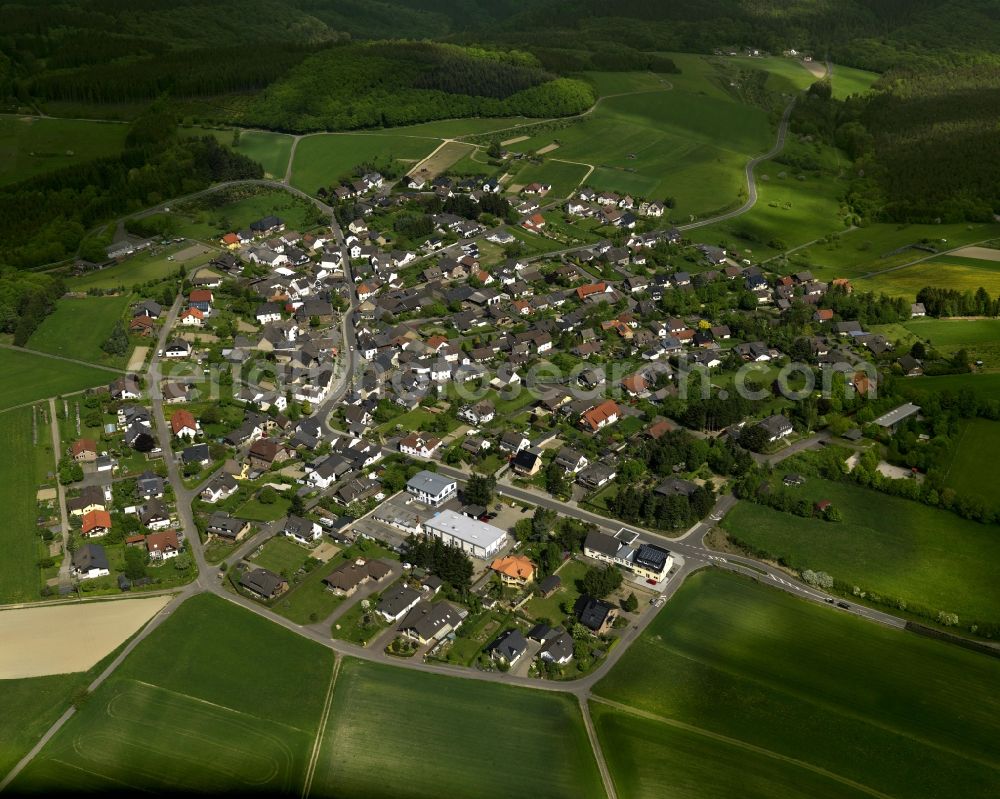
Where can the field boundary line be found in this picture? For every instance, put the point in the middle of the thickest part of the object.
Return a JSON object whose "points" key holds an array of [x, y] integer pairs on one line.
{"points": [[595, 746], [96, 774], [63, 358], [200, 701], [644, 714], [324, 717]]}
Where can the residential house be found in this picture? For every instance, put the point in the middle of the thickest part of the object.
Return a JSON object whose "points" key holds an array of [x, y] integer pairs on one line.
{"points": [[508, 648], [429, 622], [432, 488], [263, 583], [183, 424], [95, 523], [776, 427], [595, 614], [419, 445], [226, 526], [600, 416], [84, 450], [302, 530], [350, 575], [397, 602], [163, 546], [90, 561], [514, 570]]}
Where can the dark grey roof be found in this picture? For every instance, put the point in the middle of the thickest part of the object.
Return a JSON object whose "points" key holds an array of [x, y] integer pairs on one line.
{"points": [[427, 620], [397, 600], [602, 542], [593, 613], [90, 556], [509, 646], [557, 649], [652, 557], [261, 581]]}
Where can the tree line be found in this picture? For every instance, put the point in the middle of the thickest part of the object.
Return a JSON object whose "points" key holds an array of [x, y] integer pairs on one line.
{"points": [[45, 219]]}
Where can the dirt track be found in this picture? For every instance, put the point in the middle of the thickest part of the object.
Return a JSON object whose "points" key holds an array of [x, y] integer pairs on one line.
{"points": [[68, 638]]}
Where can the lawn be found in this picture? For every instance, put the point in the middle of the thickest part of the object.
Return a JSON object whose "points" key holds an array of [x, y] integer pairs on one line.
{"points": [[896, 547], [679, 143], [19, 574], [206, 220], [901, 714], [396, 732], [78, 327], [550, 608], [563, 176], [256, 511], [29, 377], [270, 150], [978, 445], [193, 709], [880, 246], [281, 555], [154, 264], [309, 601], [30, 146], [326, 159]]}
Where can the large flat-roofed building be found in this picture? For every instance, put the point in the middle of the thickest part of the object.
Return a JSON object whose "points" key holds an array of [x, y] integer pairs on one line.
{"points": [[432, 488], [893, 418], [472, 536]]}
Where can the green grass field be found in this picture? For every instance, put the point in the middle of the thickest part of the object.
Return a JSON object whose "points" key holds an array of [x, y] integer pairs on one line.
{"points": [[740, 666], [650, 759], [962, 274], [19, 575], [29, 377], [789, 212], [270, 150], [140, 268], [896, 547], [29, 706], [325, 159], [873, 248], [786, 75], [981, 337], [395, 732], [979, 442], [658, 143], [563, 176], [78, 327], [216, 699], [848, 80], [30, 146], [984, 385], [207, 224]]}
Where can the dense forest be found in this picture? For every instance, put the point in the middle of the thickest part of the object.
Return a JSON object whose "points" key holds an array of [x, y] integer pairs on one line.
{"points": [[25, 300], [383, 84], [46, 219]]}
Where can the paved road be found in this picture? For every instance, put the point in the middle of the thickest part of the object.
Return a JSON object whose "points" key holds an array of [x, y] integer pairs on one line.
{"points": [[67, 561], [751, 201]]}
